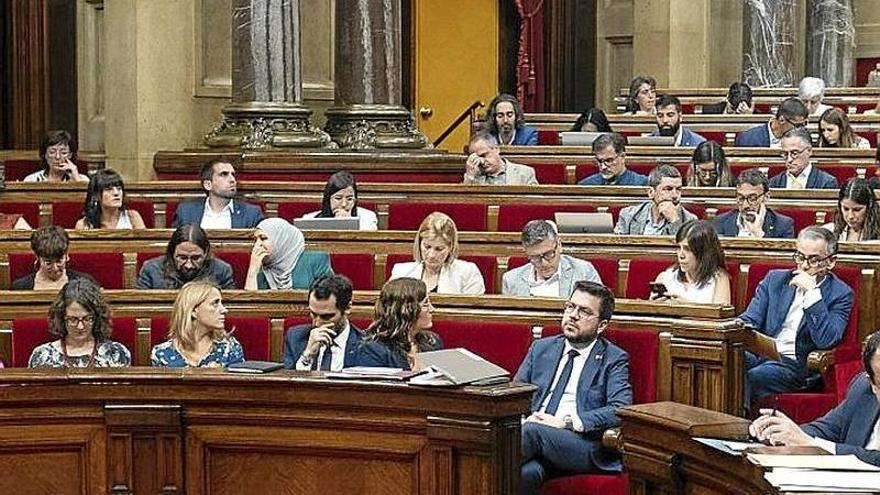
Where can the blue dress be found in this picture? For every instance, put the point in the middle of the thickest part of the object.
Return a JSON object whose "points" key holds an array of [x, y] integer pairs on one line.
{"points": [[223, 353]]}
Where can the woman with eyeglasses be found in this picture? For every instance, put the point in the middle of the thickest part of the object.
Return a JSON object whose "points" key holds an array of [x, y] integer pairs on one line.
{"points": [[57, 157], [435, 250], [642, 96], [699, 276], [341, 201], [105, 204], [709, 167], [858, 214], [49, 245], [80, 319], [401, 326]]}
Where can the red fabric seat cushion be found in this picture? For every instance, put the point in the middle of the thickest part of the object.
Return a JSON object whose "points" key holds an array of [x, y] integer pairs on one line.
{"points": [[513, 217], [289, 210], [251, 332], [605, 267], [30, 211], [357, 267], [468, 217], [28, 333], [105, 268], [802, 217], [505, 344], [588, 484], [643, 271]]}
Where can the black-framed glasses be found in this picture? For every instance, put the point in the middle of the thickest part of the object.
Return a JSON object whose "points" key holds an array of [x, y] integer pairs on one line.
{"points": [[74, 321], [581, 312], [547, 256], [751, 199], [811, 260], [793, 154], [606, 162], [194, 259]]}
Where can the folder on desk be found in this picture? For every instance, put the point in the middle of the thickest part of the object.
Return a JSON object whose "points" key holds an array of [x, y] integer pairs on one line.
{"points": [[458, 367]]}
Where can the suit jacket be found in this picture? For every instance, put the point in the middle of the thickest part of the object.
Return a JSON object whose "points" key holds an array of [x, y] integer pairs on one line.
{"points": [[298, 336], [514, 174], [633, 219], [603, 387], [244, 215], [850, 424], [626, 178], [525, 136], [756, 137], [823, 324], [689, 138], [458, 277], [310, 266], [152, 274], [775, 225], [373, 353], [516, 282], [818, 179]]}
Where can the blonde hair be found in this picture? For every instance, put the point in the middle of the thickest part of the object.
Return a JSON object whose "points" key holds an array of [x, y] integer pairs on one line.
{"points": [[441, 226], [182, 327]]}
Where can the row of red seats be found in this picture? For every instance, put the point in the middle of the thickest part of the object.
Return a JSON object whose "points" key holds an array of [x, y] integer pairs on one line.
{"points": [[550, 137]]}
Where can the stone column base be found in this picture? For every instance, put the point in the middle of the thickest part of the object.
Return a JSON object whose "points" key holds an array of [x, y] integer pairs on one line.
{"points": [[364, 127], [262, 125]]}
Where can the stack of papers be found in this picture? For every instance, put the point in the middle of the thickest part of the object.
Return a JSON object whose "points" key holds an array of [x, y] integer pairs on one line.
{"points": [[731, 447], [820, 473], [373, 373]]}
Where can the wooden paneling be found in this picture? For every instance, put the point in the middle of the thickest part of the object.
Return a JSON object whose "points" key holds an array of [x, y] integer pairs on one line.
{"points": [[28, 73]]}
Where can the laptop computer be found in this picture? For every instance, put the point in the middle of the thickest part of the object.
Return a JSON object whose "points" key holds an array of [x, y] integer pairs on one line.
{"points": [[584, 223], [650, 140], [327, 223], [573, 138]]}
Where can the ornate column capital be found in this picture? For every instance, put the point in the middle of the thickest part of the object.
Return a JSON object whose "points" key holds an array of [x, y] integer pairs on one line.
{"points": [[261, 125]]}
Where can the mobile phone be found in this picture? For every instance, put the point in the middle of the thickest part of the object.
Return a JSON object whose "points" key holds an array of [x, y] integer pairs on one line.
{"points": [[658, 288]]}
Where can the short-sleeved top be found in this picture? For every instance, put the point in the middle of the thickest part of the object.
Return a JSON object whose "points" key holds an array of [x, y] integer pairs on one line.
{"points": [[109, 354], [691, 292], [223, 353]]}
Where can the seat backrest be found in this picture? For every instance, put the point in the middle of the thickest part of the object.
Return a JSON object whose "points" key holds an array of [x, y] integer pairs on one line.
{"points": [[29, 211], [549, 173], [67, 213], [289, 210], [357, 267], [251, 332], [145, 208], [239, 260], [28, 333], [505, 344], [106, 268], [548, 137], [802, 217], [468, 217], [513, 217], [643, 271]]}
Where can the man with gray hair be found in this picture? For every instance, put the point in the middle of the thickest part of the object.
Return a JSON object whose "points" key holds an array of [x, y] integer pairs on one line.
{"points": [[661, 214], [797, 148], [549, 273], [811, 90], [804, 309], [485, 165]]}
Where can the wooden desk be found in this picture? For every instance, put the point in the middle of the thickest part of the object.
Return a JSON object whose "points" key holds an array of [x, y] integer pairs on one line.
{"points": [[143, 430]]}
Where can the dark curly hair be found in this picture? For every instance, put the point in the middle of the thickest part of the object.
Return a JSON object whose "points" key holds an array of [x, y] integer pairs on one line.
{"points": [[396, 313], [89, 296], [100, 181]]}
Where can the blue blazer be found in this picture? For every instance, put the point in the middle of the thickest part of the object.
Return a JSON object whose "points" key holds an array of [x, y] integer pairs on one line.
{"points": [[689, 138], [603, 387], [818, 179], [776, 225], [626, 178], [823, 324], [297, 337], [756, 137], [244, 215], [525, 136], [850, 424]]}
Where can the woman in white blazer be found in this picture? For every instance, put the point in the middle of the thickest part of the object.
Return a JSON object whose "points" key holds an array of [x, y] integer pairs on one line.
{"points": [[435, 251], [340, 201]]}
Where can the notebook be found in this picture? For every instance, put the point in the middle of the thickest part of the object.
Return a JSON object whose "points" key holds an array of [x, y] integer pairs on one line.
{"points": [[255, 367]]}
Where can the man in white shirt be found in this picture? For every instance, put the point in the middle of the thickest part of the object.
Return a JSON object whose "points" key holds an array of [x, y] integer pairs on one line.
{"points": [[803, 310], [582, 380], [853, 427], [218, 210]]}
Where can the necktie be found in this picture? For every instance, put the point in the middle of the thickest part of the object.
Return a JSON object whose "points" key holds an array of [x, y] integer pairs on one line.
{"points": [[558, 390], [326, 359]]}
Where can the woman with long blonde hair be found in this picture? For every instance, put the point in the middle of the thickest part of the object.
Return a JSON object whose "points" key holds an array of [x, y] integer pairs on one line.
{"points": [[197, 336]]}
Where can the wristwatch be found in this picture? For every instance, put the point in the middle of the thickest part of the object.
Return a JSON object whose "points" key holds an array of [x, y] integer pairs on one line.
{"points": [[569, 424]]}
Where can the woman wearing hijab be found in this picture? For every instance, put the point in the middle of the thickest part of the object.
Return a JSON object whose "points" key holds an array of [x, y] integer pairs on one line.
{"points": [[279, 259]]}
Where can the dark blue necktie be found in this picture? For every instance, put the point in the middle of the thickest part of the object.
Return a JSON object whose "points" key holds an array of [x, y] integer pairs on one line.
{"points": [[326, 359], [559, 389]]}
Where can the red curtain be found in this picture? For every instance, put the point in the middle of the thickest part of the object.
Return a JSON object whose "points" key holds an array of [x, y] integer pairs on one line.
{"points": [[530, 58]]}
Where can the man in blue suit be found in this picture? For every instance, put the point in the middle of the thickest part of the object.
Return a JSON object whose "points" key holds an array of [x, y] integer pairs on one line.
{"points": [[752, 217], [610, 152], [507, 122], [582, 380], [218, 210], [802, 310], [791, 113], [797, 148], [331, 342], [851, 428], [669, 123]]}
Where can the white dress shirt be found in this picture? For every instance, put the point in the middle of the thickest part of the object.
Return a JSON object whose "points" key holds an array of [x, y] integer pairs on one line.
{"points": [[775, 142], [337, 358], [217, 220], [787, 337], [799, 182], [544, 288], [568, 403]]}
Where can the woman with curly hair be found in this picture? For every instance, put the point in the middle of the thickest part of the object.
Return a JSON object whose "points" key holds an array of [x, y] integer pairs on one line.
{"points": [[80, 319], [105, 204], [642, 96], [858, 214]]}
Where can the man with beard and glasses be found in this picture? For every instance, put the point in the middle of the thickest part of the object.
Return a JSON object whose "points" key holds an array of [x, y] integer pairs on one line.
{"points": [[188, 257], [661, 214], [331, 341], [582, 380], [506, 122], [752, 217], [218, 210], [669, 123]]}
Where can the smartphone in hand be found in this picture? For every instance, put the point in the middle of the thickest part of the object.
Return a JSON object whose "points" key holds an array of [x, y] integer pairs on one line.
{"points": [[658, 288]]}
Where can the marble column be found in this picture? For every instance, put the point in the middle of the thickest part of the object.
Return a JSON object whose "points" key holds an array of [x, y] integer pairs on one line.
{"points": [[771, 42], [266, 109], [831, 41], [367, 112]]}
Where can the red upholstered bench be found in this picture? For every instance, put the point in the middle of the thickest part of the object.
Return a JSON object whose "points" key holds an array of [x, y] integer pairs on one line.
{"points": [[643, 271], [251, 332], [357, 267], [505, 344], [717, 136], [469, 217], [605, 267], [840, 172], [289, 210], [486, 264], [67, 213], [513, 217], [106, 268], [548, 137], [29, 211], [549, 173], [28, 333]]}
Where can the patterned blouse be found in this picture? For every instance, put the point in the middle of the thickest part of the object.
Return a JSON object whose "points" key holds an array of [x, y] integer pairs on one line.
{"points": [[223, 353], [109, 354]]}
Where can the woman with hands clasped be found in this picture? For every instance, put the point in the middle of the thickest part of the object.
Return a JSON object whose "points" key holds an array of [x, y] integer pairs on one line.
{"points": [[341, 201], [699, 276]]}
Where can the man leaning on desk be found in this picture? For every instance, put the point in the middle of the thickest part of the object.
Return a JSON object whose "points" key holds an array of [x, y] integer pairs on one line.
{"points": [[853, 427]]}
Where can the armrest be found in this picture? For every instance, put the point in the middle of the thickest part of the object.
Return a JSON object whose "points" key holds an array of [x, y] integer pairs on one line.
{"points": [[820, 361], [612, 439]]}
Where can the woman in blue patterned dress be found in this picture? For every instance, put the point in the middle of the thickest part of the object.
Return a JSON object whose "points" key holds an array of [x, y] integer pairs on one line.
{"points": [[197, 335], [80, 319]]}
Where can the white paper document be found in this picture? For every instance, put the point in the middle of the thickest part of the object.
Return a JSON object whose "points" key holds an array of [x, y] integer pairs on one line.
{"points": [[800, 480], [826, 462]]}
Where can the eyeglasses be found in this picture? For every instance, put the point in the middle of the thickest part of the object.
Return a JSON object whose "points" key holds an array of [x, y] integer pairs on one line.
{"points": [[751, 199], [85, 321], [812, 261], [707, 172], [546, 256], [62, 153], [793, 154], [800, 123], [194, 259], [581, 312], [606, 161]]}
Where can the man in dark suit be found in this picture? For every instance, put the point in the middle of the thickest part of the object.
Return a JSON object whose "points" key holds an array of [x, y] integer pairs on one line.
{"points": [[803, 310], [753, 218], [582, 380], [507, 123], [851, 428], [797, 148], [218, 210], [331, 342], [791, 113]]}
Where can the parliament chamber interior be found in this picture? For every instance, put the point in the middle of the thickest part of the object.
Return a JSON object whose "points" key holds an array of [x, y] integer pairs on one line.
{"points": [[421, 247]]}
